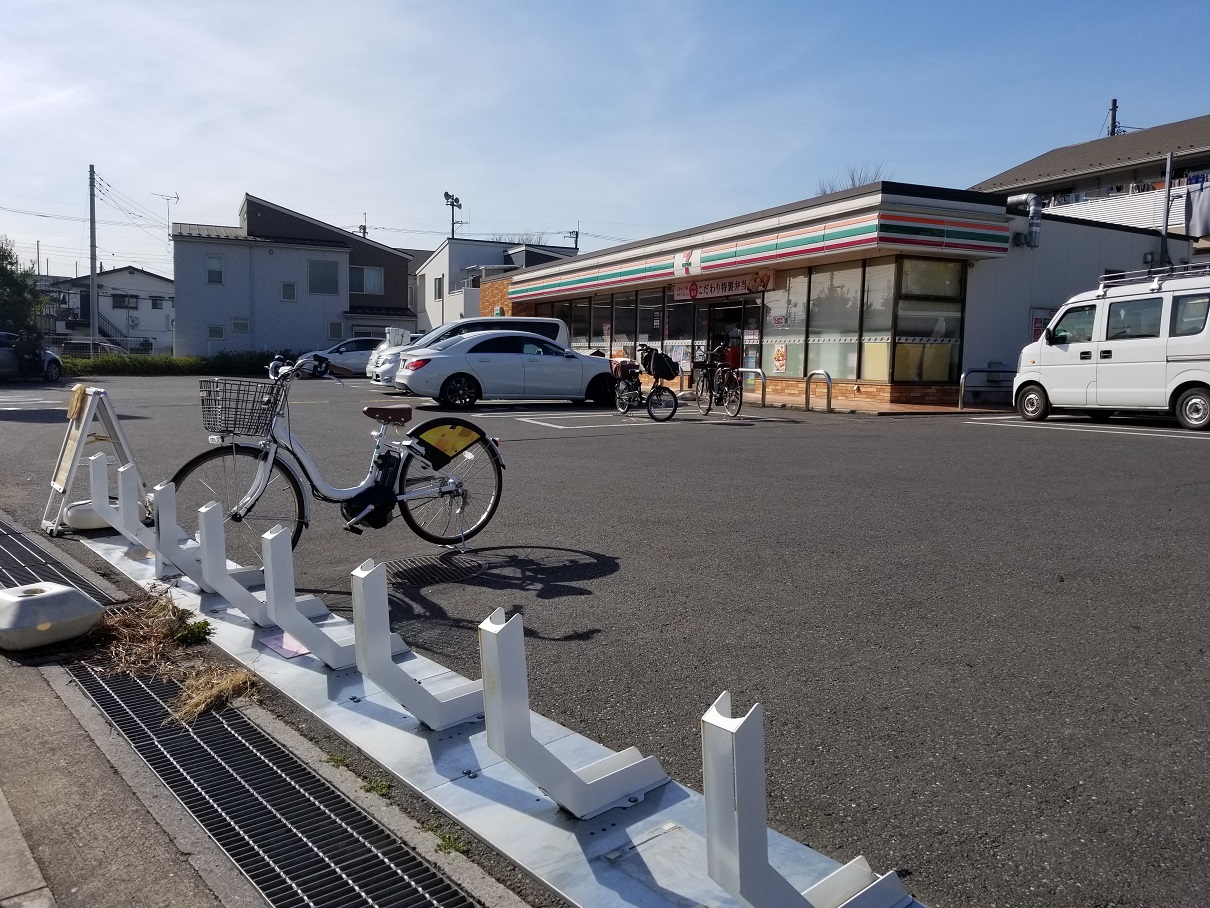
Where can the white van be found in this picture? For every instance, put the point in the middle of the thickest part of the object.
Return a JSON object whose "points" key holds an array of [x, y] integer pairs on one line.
{"points": [[1138, 342], [385, 363]]}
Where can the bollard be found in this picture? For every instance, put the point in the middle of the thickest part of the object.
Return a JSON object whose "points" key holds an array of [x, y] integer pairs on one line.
{"points": [[372, 624], [618, 780], [737, 832]]}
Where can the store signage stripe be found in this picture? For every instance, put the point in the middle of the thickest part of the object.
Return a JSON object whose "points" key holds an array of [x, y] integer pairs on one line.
{"points": [[588, 279], [946, 222], [950, 232], [870, 240]]}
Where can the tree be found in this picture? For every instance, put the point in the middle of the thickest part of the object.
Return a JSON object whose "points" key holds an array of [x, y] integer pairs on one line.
{"points": [[855, 175], [19, 297]]}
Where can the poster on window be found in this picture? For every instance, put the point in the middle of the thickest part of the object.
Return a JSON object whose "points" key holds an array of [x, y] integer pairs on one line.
{"points": [[779, 358]]}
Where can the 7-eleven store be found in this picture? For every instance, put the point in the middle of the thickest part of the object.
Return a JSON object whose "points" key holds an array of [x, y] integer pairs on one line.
{"points": [[893, 289]]}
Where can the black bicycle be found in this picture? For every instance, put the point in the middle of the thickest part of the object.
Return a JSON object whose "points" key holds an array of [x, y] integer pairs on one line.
{"points": [[628, 391], [718, 384]]}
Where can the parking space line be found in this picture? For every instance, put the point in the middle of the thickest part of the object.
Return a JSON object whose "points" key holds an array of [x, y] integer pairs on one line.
{"points": [[1136, 433], [603, 425]]}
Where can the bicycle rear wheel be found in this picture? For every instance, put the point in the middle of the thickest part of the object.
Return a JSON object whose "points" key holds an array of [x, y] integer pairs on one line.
{"points": [[225, 475], [622, 396], [732, 394], [453, 503], [661, 403], [705, 393]]}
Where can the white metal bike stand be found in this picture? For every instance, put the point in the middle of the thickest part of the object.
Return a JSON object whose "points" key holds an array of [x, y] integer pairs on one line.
{"points": [[170, 540], [618, 780], [737, 837], [336, 650], [125, 517], [438, 709], [232, 582]]}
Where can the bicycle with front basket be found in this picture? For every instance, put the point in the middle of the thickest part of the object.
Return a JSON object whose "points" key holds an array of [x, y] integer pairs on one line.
{"points": [[718, 384], [444, 475], [628, 392]]}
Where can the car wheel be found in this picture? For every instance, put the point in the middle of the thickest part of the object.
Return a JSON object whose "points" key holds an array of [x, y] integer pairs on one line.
{"points": [[600, 390], [54, 371], [1033, 404], [459, 391], [1193, 409]]}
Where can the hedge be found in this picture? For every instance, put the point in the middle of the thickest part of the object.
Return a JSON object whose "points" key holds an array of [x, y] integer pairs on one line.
{"points": [[247, 363]]}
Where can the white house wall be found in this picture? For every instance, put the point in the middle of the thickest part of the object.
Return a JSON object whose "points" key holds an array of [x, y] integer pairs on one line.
{"points": [[1069, 259], [251, 289]]}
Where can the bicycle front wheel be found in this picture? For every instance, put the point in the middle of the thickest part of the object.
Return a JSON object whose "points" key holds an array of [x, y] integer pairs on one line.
{"points": [[661, 403], [732, 394], [454, 503], [622, 396], [225, 475], [705, 393]]}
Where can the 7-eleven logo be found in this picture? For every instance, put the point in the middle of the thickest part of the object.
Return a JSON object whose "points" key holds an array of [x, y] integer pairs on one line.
{"points": [[689, 263]]}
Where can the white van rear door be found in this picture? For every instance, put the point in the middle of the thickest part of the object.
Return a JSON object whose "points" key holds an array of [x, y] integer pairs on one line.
{"points": [[1132, 360]]}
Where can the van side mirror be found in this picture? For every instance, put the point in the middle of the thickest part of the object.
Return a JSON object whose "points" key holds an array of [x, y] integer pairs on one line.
{"points": [[1048, 336]]}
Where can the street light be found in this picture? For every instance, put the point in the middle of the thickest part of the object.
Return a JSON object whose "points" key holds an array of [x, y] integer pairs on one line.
{"points": [[452, 201]]}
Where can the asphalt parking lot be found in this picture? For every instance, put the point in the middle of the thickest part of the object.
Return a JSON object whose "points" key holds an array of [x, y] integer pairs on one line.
{"points": [[981, 644]]}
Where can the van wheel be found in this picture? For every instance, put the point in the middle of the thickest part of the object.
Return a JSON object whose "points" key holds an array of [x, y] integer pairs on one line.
{"points": [[1193, 409], [1033, 404]]}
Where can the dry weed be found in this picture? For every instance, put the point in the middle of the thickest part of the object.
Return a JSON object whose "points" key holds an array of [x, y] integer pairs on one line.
{"points": [[146, 637], [210, 687]]}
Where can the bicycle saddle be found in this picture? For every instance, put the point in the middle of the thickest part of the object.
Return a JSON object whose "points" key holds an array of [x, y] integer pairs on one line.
{"points": [[394, 414]]}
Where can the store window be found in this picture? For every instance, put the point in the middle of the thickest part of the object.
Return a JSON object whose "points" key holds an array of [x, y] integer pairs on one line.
{"points": [[785, 315], [678, 335], [601, 322], [579, 323], [651, 308], [928, 326], [625, 318], [877, 319], [834, 320]]}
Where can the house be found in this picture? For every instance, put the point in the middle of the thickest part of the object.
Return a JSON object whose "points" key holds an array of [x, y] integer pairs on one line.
{"points": [[135, 309], [893, 291], [448, 280], [1121, 179], [284, 281]]}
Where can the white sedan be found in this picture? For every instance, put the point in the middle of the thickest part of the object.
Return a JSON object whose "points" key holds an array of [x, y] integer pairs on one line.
{"points": [[503, 365], [349, 357]]}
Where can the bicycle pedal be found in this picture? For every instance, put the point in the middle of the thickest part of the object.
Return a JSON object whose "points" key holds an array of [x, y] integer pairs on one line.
{"points": [[356, 531]]}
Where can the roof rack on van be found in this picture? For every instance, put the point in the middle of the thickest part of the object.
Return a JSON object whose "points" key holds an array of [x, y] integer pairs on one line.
{"points": [[1156, 276]]}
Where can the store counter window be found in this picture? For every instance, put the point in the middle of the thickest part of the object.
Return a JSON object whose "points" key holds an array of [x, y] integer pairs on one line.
{"points": [[624, 318], [785, 317], [835, 319], [877, 312], [928, 330]]}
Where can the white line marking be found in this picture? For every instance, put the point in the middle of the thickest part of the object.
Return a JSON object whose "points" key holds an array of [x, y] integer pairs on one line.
{"points": [[604, 425], [1135, 433]]}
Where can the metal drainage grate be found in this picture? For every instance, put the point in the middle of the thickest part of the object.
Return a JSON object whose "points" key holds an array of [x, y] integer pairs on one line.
{"points": [[299, 840], [23, 563], [432, 569]]}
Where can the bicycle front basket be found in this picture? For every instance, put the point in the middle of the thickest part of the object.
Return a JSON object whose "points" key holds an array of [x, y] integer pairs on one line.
{"points": [[236, 406]]}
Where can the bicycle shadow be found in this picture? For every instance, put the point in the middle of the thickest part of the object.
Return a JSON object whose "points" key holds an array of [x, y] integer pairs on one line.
{"points": [[527, 572]]}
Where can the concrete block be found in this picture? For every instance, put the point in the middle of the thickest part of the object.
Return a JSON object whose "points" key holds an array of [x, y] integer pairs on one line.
{"points": [[42, 613]]}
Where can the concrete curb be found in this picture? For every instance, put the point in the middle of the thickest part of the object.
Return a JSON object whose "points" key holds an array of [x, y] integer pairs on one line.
{"points": [[21, 882]]}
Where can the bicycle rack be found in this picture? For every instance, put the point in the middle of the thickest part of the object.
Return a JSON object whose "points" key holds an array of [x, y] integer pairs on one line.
{"points": [[423, 697], [827, 378], [170, 539], [962, 380], [764, 381], [737, 835], [125, 517], [232, 583], [281, 599], [618, 780]]}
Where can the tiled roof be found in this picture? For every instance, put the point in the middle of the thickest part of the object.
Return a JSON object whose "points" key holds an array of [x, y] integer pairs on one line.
{"points": [[215, 232], [1185, 139]]}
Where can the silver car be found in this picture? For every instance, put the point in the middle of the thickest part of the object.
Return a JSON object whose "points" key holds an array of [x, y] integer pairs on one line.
{"points": [[52, 366]]}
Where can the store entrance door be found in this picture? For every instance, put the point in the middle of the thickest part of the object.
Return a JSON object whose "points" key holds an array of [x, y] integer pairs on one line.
{"points": [[727, 329]]}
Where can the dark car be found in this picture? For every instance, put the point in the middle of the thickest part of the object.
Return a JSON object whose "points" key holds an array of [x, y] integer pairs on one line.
{"points": [[52, 366]]}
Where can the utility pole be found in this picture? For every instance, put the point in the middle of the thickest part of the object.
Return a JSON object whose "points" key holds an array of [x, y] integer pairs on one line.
{"points": [[1113, 117], [92, 259], [453, 202]]}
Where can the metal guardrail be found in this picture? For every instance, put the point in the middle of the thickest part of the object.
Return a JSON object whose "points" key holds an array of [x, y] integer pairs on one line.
{"points": [[807, 392], [962, 380], [764, 381]]}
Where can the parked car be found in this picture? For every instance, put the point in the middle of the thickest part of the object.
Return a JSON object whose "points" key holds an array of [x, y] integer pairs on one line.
{"points": [[387, 361], [52, 366], [87, 350], [349, 357], [504, 365], [1140, 342]]}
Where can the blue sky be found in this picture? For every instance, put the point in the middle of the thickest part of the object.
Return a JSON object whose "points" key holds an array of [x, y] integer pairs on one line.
{"points": [[628, 119]]}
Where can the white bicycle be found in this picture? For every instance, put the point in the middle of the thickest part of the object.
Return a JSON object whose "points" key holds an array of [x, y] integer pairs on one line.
{"points": [[445, 475]]}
